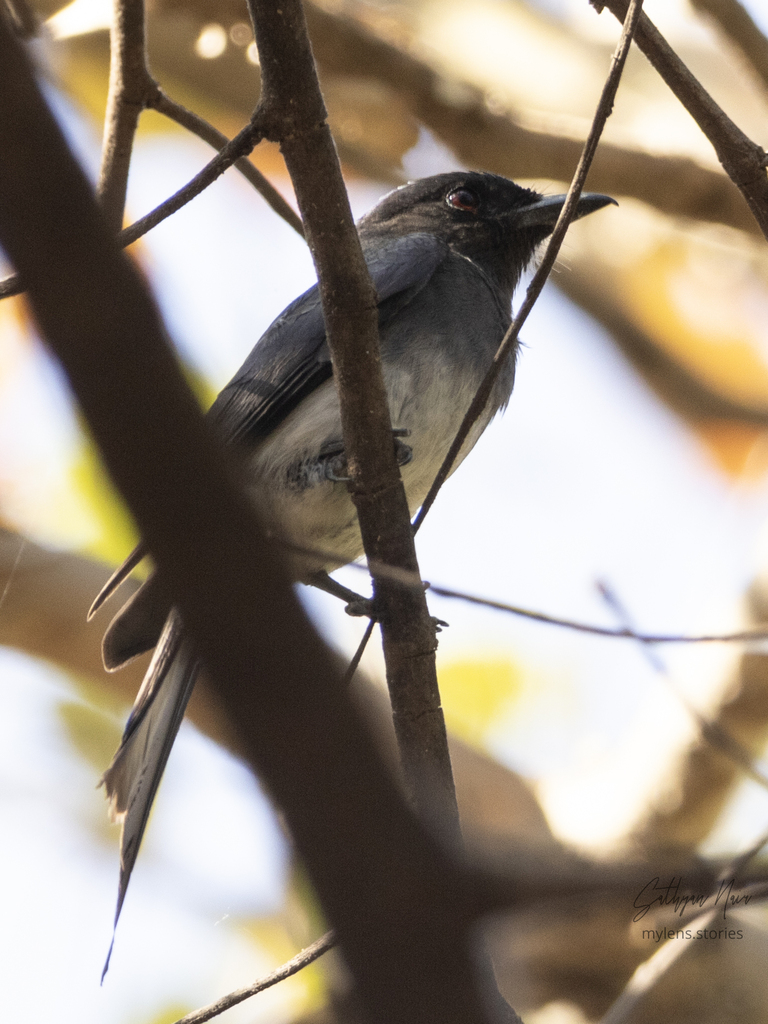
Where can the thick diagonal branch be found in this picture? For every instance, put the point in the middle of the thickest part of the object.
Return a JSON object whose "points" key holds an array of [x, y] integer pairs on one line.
{"points": [[395, 899], [743, 160]]}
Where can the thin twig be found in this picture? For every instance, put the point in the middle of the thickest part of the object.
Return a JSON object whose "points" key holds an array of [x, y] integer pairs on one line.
{"points": [[298, 963], [710, 731], [129, 85], [735, 22], [743, 160], [411, 581], [746, 636], [14, 567], [357, 656], [501, 141], [238, 147], [603, 112], [163, 104]]}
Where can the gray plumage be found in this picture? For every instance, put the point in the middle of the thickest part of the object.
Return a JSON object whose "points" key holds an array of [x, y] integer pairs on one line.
{"points": [[445, 255]]}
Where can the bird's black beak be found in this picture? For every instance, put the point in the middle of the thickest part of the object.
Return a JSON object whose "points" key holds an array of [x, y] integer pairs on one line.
{"points": [[545, 211]]}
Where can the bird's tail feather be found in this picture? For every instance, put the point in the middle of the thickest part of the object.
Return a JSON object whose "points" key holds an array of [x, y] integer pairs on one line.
{"points": [[118, 576], [132, 779]]}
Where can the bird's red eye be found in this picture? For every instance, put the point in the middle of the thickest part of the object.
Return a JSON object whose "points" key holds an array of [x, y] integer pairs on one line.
{"points": [[463, 199]]}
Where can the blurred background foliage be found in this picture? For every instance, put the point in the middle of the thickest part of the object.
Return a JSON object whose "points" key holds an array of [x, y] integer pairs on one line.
{"points": [[676, 279]]}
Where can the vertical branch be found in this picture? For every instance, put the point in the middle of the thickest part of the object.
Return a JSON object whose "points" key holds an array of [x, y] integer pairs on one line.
{"points": [[400, 907], [129, 87], [291, 96], [290, 91]]}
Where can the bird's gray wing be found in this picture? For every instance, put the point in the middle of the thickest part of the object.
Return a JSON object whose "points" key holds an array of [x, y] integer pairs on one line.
{"points": [[292, 357], [289, 361]]}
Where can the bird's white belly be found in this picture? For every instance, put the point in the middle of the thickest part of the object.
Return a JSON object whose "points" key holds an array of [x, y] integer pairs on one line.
{"points": [[316, 514]]}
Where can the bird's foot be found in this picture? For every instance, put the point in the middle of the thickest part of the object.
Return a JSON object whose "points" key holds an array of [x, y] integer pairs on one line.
{"points": [[335, 461]]}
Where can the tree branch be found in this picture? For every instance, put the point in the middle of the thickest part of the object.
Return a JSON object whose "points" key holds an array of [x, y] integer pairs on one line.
{"points": [[129, 86], [736, 24], [499, 142], [685, 392], [602, 113], [392, 895], [351, 319], [161, 102], [743, 160], [287, 970]]}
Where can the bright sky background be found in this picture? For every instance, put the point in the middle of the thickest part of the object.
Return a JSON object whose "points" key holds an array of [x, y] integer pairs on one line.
{"points": [[587, 476]]}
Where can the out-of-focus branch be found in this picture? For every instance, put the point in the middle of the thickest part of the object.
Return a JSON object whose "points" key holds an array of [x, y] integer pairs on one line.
{"points": [[54, 588], [736, 23], [232, 152], [394, 898], [705, 777], [649, 974], [688, 394], [45, 596], [23, 17], [743, 160], [457, 113]]}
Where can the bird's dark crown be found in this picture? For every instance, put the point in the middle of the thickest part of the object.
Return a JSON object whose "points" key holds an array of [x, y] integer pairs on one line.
{"points": [[473, 212]]}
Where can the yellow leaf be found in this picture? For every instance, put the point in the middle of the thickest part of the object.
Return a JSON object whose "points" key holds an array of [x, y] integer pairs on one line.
{"points": [[476, 694]]}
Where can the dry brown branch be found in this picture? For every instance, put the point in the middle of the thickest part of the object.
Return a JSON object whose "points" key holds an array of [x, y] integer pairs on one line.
{"points": [[129, 86], [736, 24], [160, 101], [351, 320], [602, 113], [743, 160], [499, 142], [349, 824], [291, 91], [287, 970]]}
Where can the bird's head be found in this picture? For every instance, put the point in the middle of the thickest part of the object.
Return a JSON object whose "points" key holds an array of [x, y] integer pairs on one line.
{"points": [[490, 219]]}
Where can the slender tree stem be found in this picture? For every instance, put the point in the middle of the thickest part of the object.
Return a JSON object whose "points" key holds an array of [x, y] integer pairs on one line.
{"points": [[743, 160], [129, 87], [603, 112]]}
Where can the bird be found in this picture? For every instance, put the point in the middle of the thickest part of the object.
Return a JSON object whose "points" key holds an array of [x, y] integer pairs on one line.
{"points": [[445, 254]]}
